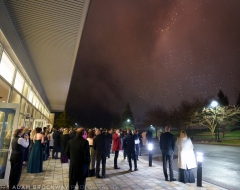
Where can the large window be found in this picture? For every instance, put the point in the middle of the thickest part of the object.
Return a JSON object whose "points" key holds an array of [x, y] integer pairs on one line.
{"points": [[4, 91], [30, 96], [15, 87], [29, 110], [25, 90], [7, 68], [16, 98], [23, 106], [19, 82]]}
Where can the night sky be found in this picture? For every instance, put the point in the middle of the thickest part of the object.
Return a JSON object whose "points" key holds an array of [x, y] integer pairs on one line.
{"points": [[154, 53]]}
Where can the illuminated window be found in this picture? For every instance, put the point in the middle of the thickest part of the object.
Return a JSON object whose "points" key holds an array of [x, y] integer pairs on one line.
{"points": [[19, 82], [15, 97], [37, 102], [34, 100], [4, 91], [23, 106], [25, 90], [29, 110], [30, 96], [40, 106], [7, 68]]}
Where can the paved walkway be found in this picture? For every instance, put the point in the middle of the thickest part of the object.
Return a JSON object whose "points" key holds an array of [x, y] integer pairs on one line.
{"points": [[55, 176]]}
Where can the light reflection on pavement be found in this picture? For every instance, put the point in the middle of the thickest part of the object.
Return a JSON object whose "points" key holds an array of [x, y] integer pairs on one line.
{"points": [[221, 164]]}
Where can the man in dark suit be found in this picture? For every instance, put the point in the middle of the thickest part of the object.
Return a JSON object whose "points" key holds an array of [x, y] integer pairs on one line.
{"points": [[56, 143], [100, 148], [167, 146], [79, 155], [129, 143], [149, 136], [108, 142]]}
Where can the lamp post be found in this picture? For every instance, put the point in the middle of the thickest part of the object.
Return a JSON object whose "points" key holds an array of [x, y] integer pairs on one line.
{"points": [[199, 168], [150, 147], [214, 105]]}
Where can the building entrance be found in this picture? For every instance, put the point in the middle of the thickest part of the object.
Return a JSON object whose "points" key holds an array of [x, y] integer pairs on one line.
{"points": [[9, 114]]}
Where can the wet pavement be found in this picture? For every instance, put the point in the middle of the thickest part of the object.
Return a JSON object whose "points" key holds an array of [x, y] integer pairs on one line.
{"points": [[221, 163], [55, 176]]}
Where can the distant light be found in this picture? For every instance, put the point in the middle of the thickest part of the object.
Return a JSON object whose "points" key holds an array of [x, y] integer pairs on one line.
{"points": [[214, 104], [199, 156], [150, 146], [75, 123], [128, 120]]}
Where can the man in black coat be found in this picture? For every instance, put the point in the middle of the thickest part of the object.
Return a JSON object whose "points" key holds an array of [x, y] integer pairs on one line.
{"points": [[79, 155], [167, 146], [100, 148], [108, 142], [129, 143], [56, 143], [149, 136]]}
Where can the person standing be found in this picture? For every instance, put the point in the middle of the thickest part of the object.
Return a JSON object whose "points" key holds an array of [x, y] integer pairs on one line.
{"points": [[100, 148], [144, 138], [186, 159], [18, 147], [51, 143], [56, 143], [90, 138], [79, 155], [167, 146], [149, 136], [35, 163], [140, 143], [116, 147], [64, 141], [47, 139], [26, 131], [108, 142], [159, 134], [31, 137], [129, 143], [137, 147]]}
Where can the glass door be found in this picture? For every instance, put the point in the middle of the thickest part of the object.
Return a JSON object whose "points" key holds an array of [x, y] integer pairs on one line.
{"points": [[9, 114]]}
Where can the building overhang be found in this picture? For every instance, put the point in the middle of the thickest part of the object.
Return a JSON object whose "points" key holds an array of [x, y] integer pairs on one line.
{"points": [[45, 37]]}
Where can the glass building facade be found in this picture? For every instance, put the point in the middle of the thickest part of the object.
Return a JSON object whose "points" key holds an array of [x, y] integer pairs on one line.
{"points": [[14, 88]]}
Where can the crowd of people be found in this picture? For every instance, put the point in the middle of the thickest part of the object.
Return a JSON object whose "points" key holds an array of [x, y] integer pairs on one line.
{"points": [[88, 149]]}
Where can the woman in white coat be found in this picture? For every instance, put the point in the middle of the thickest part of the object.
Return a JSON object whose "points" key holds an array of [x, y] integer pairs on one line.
{"points": [[186, 159]]}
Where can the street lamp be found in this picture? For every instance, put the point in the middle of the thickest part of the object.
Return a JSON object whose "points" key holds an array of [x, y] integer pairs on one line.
{"points": [[128, 120], [199, 168], [150, 147], [214, 105]]}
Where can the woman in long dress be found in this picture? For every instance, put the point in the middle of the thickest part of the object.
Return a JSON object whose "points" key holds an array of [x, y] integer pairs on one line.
{"points": [[90, 138], [32, 135], [64, 142], [35, 163], [186, 159]]}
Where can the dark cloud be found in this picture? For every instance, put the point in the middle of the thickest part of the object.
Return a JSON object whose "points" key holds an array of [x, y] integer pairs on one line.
{"points": [[152, 53]]}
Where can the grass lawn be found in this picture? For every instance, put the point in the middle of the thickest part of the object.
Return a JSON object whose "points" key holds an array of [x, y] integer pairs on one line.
{"points": [[230, 138]]}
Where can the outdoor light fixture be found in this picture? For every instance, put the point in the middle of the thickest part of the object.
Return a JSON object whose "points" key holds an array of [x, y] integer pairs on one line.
{"points": [[199, 168], [150, 148], [214, 105], [128, 120]]}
